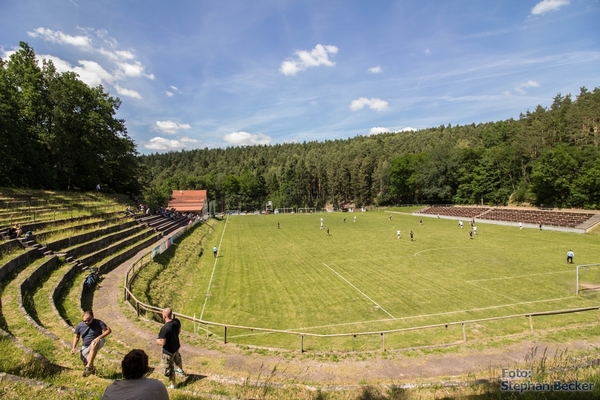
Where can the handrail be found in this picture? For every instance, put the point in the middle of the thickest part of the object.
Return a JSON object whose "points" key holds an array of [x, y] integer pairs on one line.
{"points": [[138, 305]]}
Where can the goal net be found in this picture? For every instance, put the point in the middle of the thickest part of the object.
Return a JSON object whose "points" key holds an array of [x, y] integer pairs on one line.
{"points": [[588, 280], [233, 212], [305, 210], [284, 210]]}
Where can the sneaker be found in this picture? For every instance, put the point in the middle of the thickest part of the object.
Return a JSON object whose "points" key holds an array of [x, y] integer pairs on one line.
{"points": [[87, 371], [180, 371], [171, 386]]}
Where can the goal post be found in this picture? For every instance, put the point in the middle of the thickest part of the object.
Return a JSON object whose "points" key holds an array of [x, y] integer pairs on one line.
{"points": [[307, 210], [587, 279], [284, 210]]}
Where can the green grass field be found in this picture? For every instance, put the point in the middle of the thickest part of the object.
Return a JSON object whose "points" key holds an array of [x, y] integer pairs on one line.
{"points": [[362, 278]]}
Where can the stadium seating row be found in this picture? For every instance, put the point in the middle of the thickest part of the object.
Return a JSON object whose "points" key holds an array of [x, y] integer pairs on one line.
{"points": [[567, 219]]}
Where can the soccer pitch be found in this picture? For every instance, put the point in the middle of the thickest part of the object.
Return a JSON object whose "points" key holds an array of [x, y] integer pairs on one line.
{"points": [[362, 278]]}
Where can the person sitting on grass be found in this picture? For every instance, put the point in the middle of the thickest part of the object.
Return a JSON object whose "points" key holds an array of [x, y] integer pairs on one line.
{"points": [[135, 386]]}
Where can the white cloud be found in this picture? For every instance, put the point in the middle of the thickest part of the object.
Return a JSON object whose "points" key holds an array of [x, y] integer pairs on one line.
{"points": [[187, 139], [172, 91], [93, 73], [133, 70], [83, 42], [378, 129], [305, 59], [245, 138], [90, 72], [529, 84], [375, 70], [170, 127], [374, 104], [545, 6], [159, 143], [428, 52], [127, 92]]}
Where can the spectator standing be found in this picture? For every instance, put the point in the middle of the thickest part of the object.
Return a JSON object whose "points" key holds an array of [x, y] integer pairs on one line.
{"points": [[92, 333], [135, 386], [168, 338]]}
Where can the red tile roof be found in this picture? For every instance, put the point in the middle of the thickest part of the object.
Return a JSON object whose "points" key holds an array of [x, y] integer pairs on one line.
{"points": [[188, 200]]}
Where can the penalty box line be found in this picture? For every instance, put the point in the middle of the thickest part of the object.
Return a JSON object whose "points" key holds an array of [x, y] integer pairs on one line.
{"points": [[519, 276], [213, 271], [358, 290]]}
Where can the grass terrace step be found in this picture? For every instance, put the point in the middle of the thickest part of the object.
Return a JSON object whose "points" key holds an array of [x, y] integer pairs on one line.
{"points": [[18, 325]]}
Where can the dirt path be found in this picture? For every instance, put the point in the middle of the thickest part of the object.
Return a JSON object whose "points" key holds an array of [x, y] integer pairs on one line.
{"points": [[227, 363]]}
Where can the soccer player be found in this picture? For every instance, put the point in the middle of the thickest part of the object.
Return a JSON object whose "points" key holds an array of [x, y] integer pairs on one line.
{"points": [[412, 236], [570, 256], [474, 230], [398, 233], [215, 251], [520, 225], [355, 218]]}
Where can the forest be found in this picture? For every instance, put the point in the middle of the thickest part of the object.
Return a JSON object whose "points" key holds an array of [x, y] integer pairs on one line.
{"points": [[548, 157], [58, 133]]}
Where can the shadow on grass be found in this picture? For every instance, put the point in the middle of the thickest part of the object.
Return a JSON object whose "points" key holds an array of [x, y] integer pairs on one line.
{"points": [[190, 379]]}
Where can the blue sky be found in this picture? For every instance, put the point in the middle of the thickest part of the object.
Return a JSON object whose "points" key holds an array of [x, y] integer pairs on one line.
{"points": [[195, 74]]}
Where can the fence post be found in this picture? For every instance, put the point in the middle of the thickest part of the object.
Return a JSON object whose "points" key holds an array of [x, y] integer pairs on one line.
{"points": [[137, 307], [531, 322], [225, 334], [382, 342], [301, 343], [464, 332]]}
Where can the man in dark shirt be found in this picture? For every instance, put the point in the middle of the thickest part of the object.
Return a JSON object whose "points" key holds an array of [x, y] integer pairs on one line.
{"points": [[168, 338], [92, 333]]}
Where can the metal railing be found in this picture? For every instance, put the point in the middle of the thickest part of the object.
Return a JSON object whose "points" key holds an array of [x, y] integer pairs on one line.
{"points": [[140, 306]]}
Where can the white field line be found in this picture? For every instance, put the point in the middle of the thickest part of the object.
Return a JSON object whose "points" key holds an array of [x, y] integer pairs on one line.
{"points": [[358, 290], [213, 270], [441, 248], [519, 276], [416, 316]]}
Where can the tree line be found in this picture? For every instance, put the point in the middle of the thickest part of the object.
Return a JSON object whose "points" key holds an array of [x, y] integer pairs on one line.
{"points": [[547, 157], [58, 133]]}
